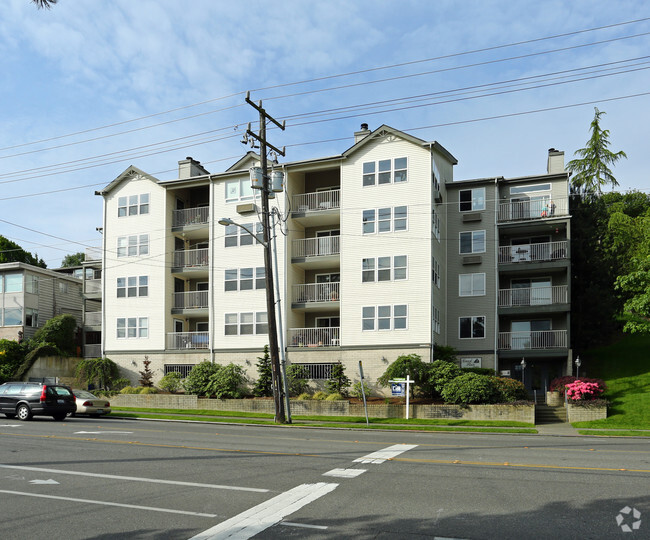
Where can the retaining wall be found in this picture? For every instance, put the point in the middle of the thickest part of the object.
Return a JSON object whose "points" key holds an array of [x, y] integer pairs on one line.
{"points": [[585, 413]]}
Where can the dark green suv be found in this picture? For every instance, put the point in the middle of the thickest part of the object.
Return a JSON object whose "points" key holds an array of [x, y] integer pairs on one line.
{"points": [[23, 400]]}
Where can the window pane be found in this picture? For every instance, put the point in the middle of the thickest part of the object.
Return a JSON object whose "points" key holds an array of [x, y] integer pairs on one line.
{"points": [[400, 217], [465, 324], [369, 167], [368, 324], [246, 317], [465, 197], [231, 318], [383, 311], [478, 327], [384, 165], [13, 316], [368, 312], [400, 163], [465, 284], [232, 190], [478, 199], [368, 221], [478, 284], [13, 283], [466, 242], [478, 242], [400, 323], [246, 189], [383, 324], [400, 310]]}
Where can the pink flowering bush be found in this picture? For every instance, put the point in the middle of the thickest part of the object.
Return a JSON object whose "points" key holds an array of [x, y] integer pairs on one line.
{"points": [[583, 390]]}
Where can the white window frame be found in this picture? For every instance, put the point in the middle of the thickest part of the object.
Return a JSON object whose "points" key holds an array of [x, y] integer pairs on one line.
{"points": [[257, 320], [242, 237], [235, 276], [31, 284], [235, 189], [372, 265], [133, 245], [138, 284], [473, 319], [382, 314], [476, 201], [132, 205], [381, 216], [475, 289], [33, 313], [473, 241], [132, 327], [385, 171]]}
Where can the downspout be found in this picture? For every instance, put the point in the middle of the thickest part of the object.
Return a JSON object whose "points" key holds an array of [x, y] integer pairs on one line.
{"points": [[496, 277], [104, 326], [211, 279], [431, 244]]}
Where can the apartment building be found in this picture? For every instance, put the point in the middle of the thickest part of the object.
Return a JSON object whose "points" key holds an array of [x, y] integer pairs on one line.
{"points": [[380, 253], [31, 295]]}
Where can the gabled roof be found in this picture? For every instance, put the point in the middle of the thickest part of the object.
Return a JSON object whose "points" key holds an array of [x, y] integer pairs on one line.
{"points": [[245, 162], [384, 129], [126, 175]]}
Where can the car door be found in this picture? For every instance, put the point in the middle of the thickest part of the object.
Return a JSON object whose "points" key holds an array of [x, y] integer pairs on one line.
{"points": [[11, 396]]}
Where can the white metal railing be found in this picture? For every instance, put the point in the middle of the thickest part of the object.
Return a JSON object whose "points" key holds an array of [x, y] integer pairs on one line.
{"points": [[188, 340], [317, 247], [533, 296], [547, 251], [190, 300], [315, 292], [93, 318], [185, 258], [199, 215], [92, 351], [537, 339], [532, 209], [317, 201], [93, 254], [92, 286], [314, 337]]}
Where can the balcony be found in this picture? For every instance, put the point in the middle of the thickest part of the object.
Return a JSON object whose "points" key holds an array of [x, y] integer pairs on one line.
{"points": [[317, 251], [191, 216], [318, 208], [314, 337], [533, 296], [533, 340], [547, 251], [190, 261], [190, 300], [93, 351], [178, 341], [93, 286], [93, 318], [517, 210], [314, 295]]}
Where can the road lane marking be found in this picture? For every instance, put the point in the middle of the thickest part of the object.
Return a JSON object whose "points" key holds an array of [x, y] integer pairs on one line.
{"points": [[345, 473], [387, 453], [259, 518], [102, 432], [105, 503], [303, 525], [135, 479], [44, 482]]}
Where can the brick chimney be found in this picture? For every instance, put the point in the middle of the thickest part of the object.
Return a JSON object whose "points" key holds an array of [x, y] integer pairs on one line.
{"points": [[555, 162]]}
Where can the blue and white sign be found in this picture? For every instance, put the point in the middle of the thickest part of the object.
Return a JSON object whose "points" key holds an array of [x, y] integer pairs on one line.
{"points": [[398, 389]]}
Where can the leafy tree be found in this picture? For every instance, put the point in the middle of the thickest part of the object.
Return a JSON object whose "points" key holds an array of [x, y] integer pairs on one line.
{"points": [[44, 4], [408, 364], [73, 259], [636, 285], [12, 355], [100, 372], [592, 170], [338, 381], [264, 385], [226, 382], [58, 331], [198, 380], [12, 252], [442, 372]]}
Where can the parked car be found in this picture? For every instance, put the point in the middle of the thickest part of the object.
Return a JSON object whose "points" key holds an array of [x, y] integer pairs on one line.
{"points": [[90, 404], [26, 399]]}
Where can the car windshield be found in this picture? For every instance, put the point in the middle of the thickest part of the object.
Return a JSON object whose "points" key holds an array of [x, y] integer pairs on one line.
{"points": [[83, 394]]}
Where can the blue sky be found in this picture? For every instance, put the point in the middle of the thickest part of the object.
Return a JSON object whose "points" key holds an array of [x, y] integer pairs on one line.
{"points": [[91, 87]]}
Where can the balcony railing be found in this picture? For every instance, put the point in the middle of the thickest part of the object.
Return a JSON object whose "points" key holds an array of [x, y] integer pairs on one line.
{"points": [[539, 339], [188, 340], [92, 286], [93, 318], [93, 351], [189, 258], [190, 300], [317, 247], [191, 216], [318, 201], [315, 292], [533, 296], [532, 209], [314, 337], [547, 251]]}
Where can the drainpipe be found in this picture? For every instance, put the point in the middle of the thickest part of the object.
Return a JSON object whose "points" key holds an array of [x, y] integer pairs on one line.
{"points": [[211, 280], [496, 278]]}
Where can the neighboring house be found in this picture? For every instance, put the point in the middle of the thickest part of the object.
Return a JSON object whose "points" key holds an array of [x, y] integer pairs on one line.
{"points": [[381, 254], [31, 295]]}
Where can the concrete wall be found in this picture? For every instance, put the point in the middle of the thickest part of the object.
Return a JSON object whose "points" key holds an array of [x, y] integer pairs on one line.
{"points": [[61, 367], [585, 413]]}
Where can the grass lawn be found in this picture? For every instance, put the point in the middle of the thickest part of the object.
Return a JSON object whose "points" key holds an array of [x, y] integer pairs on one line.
{"points": [[625, 368]]}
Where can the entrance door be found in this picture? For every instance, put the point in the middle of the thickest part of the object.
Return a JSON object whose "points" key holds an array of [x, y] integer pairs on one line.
{"points": [[329, 329]]}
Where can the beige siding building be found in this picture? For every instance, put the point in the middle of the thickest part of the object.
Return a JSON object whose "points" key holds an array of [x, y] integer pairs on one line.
{"points": [[380, 253]]}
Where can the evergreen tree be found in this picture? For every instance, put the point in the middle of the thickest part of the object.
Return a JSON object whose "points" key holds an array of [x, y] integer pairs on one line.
{"points": [[338, 381], [146, 375], [264, 384]]}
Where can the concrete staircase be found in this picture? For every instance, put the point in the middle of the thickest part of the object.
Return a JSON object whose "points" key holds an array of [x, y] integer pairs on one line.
{"points": [[549, 415]]}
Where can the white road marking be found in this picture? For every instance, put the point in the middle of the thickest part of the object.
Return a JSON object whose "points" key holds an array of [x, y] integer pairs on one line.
{"points": [[259, 518], [387, 453], [102, 432], [303, 525], [105, 503], [43, 482], [9, 425], [135, 479], [345, 473]]}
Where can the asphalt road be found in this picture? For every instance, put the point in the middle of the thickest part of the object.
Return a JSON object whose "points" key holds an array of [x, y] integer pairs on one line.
{"points": [[111, 478]]}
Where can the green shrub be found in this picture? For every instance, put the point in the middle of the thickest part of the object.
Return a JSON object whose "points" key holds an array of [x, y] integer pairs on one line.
{"points": [[12, 355], [320, 395], [264, 384], [198, 379], [297, 379], [147, 390], [510, 389], [335, 396], [479, 370], [171, 382], [120, 383], [60, 332], [442, 372], [471, 388], [129, 390], [226, 382], [408, 364], [356, 390], [100, 372], [304, 396], [338, 381]]}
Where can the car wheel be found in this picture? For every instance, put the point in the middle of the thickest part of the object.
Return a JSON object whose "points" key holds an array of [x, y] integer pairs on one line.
{"points": [[10, 415], [59, 417], [23, 412]]}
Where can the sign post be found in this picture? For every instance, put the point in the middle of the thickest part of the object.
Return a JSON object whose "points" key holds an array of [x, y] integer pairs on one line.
{"points": [[398, 385], [363, 392]]}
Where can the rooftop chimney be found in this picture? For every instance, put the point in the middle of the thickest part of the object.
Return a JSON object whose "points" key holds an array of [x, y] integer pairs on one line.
{"points": [[190, 167], [362, 134], [555, 163]]}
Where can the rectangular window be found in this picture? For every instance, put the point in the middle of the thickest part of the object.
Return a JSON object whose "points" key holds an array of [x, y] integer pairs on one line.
{"points": [[436, 320], [472, 199], [144, 203], [132, 286], [31, 284], [435, 268], [368, 222], [528, 189], [132, 327], [435, 223], [13, 283], [244, 279], [383, 268], [384, 317], [31, 317], [239, 190], [236, 236], [133, 205], [132, 246], [246, 323], [63, 287], [471, 284], [121, 206], [13, 316], [472, 242], [385, 220], [471, 327], [385, 171]]}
